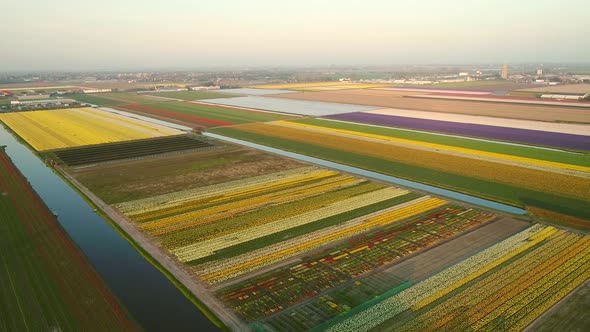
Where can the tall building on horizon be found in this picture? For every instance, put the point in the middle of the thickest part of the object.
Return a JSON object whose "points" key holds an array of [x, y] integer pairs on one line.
{"points": [[504, 71]]}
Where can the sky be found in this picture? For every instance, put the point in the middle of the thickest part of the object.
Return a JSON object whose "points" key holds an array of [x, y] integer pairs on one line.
{"points": [[192, 34]]}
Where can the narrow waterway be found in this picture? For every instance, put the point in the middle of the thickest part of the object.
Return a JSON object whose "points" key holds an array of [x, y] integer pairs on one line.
{"points": [[147, 294], [378, 176]]}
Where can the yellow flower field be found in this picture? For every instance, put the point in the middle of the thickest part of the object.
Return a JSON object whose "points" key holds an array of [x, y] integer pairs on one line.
{"points": [[436, 146], [65, 128]]}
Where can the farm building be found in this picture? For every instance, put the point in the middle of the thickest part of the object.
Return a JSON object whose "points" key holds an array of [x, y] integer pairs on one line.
{"points": [[566, 97], [96, 90]]}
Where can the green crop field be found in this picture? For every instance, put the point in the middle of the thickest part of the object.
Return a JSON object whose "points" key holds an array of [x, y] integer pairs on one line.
{"points": [[193, 95], [302, 230], [229, 115], [95, 99], [114, 98], [483, 188], [47, 284], [513, 150]]}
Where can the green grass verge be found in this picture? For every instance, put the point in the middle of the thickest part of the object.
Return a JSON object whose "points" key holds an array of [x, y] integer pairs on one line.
{"points": [[494, 191], [185, 291], [217, 113], [513, 150]]}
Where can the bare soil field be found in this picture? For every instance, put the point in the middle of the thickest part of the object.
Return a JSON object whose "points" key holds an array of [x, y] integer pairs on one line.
{"points": [[568, 88], [396, 99], [571, 314], [137, 179], [438, 258]]}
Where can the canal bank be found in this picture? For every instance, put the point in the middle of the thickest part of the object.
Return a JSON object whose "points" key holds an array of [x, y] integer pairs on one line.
{"points": [[147, 293], [382, 177]]}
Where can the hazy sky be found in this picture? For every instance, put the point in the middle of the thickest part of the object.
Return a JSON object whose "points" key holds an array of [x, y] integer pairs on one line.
{"points": [[127, 34]]}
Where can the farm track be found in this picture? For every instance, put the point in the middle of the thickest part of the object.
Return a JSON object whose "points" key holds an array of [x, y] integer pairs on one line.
{"points": [[417, 268]]}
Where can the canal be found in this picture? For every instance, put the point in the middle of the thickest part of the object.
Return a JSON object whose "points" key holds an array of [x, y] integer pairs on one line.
{"points": [[378, 176], [147, 294]]}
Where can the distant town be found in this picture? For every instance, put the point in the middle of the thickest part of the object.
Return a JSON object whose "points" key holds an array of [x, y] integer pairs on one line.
{"points": [[33, 91]]}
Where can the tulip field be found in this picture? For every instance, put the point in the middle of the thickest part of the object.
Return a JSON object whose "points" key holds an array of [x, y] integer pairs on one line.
{"points": [[526, 273], [229, 229], [45, 280], [268, 240], [58, 129], [345, 274], [130, 149], [554, 180]]}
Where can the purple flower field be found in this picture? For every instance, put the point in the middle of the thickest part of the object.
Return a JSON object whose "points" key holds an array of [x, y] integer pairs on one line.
{"points": [[526, 136]]}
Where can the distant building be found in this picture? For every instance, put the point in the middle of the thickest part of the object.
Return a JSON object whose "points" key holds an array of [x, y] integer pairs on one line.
{"points": [[61, 101], [96, 90], [35, 96], [170, 89], [565, 97], [202, 88], [504, 73], [539, 72]]}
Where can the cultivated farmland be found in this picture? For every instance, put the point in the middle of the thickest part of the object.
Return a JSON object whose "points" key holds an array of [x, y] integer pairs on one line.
{"points": [[202, 115], [527, 156], [395, 99], [516, 185], [46, 282], [554, 127], [350, 266], [57, 129], [127, 97], [502, 133], [300, 107], [132, 149], [119, 182], [267, 242], [191, 95], [113, 98], [296, 85], [527, 273], [277, 244]]}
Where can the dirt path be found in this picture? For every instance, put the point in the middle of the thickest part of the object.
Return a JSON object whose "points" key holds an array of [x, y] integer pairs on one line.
{"points": [[198, 289]]}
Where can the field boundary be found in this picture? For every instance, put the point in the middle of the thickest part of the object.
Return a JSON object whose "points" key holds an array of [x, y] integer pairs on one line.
{"points": [[180, 278]]}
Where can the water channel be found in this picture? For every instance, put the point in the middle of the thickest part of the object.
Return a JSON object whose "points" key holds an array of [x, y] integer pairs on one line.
{"points": [[378, 176], [147, 294]]}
